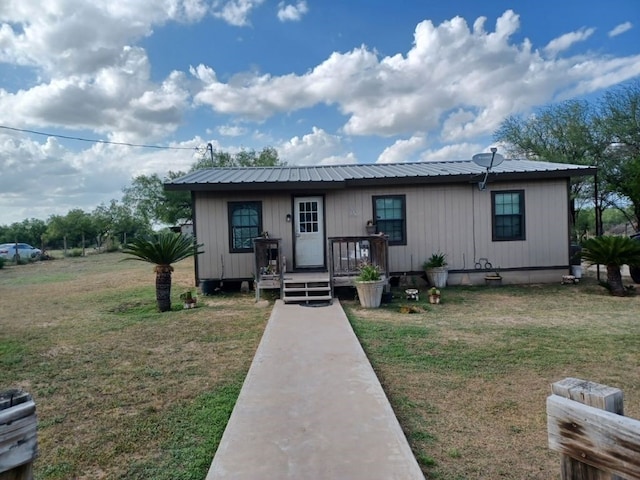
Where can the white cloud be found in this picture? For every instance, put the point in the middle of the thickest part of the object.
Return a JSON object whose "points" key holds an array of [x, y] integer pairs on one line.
{"points": [[316, 148], [458, 151], [40, 179], [88, 76], [119, 101], [235, 12], [76, 36], [401, 150], [450, 68], [620, 29], [231, 130], [565, 41], [292, 13]]}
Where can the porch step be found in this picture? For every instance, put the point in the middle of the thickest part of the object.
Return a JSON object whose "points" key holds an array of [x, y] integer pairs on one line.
{"points": [[306, 288]]}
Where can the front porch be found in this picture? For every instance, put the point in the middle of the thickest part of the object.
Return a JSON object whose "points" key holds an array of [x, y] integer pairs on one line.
{"points": [[343, 259]]}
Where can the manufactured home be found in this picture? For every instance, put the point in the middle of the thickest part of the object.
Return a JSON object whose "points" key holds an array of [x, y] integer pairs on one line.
{"points": [[305, 230]]}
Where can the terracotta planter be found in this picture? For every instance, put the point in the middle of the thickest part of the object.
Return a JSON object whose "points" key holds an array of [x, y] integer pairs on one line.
{"points": [[370, 293], [437, 276]]}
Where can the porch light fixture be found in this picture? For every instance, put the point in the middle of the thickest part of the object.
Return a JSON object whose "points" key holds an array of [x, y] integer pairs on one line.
{"points": [[288, 218]]}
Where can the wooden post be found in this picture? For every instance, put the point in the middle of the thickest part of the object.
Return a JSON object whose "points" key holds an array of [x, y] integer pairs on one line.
{"points": [[18, 436], [578, 460]]}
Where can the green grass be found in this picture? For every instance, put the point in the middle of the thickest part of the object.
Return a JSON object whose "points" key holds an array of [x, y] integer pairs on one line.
{"points": [[534, 347], [12, 353], [469, 376], [123, 391], [196, 430]]}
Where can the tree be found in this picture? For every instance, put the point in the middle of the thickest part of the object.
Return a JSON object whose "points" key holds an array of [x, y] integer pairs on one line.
{"points": [[605, 134], [117, 221], [147, 197], [74, 228], [162, 249], [28, 231], [564, 133], [620, 122], [612, 251], [267, 157]]}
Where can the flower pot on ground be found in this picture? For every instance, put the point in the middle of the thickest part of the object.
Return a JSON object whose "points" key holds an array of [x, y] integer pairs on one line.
{"points": [[493, 279], [575, 260], [434, 295], [576, 271], [369, 285], [435, 268], [188, 300]]}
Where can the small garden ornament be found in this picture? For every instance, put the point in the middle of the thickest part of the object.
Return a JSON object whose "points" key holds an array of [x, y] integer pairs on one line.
{"points": [[434, 296], [188, 300]]}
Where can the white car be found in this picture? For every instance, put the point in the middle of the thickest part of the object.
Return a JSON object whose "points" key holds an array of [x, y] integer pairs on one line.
{"points": [[26, 251]]}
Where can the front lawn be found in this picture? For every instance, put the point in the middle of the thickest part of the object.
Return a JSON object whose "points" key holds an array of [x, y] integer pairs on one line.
{"points": [[122, 391], [125, 392], [468, 378]]}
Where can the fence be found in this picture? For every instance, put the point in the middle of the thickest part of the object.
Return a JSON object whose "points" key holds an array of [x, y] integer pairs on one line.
{"points": [[586, 426]]}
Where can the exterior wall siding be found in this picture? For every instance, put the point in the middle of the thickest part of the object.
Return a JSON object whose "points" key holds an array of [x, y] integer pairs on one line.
{"points": [[453, 219]]}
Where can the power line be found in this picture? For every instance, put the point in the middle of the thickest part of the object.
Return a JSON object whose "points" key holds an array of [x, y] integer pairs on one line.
{"points": [[91, 140]]}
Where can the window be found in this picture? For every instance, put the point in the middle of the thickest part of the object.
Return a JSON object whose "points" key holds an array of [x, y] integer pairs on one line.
{"points": [[390, 215], [308, 216], [245, 224], [508, 215]]}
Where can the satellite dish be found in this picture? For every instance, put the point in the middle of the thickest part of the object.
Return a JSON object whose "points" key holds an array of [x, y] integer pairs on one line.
{"points": [[488, 161]]}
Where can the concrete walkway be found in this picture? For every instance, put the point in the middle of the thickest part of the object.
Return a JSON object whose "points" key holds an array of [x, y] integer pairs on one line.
{"points": [[311, 407]]}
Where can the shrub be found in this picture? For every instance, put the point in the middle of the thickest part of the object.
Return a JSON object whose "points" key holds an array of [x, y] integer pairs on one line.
{"points": [[436, 260], [112, 247], [613, 252], [368, 273]]}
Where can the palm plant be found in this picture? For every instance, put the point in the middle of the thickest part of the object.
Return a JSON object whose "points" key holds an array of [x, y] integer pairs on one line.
{"points": [[162, 249], [613, 252]]}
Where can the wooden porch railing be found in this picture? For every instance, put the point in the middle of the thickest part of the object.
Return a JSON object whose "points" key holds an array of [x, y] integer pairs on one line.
{"points": [[346, 254]]}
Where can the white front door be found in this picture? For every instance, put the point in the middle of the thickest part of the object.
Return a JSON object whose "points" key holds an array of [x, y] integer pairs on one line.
{"points": [[309, 232]]}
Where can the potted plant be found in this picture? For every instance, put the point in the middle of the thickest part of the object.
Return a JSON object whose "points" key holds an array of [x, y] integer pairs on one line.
{"points": [[576, 261], [369, 284], [434, 295], [493, 279], [371, 227], [436, 269], [188, 300]]}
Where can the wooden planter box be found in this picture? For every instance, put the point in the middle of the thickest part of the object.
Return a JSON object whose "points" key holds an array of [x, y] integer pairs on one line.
{"points": [[18, 437]]}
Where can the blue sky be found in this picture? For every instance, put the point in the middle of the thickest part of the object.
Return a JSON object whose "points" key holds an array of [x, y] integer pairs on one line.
{"points": [[323, 82]]}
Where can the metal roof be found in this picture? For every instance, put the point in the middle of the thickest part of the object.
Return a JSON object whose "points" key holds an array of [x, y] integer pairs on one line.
{"points": [[342, 176]]}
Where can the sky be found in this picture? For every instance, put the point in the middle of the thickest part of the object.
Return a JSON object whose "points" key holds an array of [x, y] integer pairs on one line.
{"points": [[321, 81]]}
